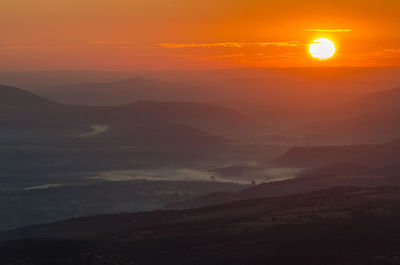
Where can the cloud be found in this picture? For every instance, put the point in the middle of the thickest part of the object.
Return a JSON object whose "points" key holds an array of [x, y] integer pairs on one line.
{"points": [[387, 53], [228, 56], [278, 43], [18, 45], [328, 30], [23, 45], [229, 44], [168, 45], [117, 44], [393, 50], [199, 45], [106, 42]]}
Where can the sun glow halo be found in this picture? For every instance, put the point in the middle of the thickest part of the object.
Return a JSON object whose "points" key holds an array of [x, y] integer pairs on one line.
{"points": [[322, 49]]}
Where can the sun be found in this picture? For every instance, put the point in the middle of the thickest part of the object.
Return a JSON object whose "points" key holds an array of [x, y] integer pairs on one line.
{"points": [[322, 49]]}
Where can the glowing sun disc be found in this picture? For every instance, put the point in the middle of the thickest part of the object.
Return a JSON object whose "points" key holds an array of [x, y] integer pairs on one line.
{"points": [[322, 48]]}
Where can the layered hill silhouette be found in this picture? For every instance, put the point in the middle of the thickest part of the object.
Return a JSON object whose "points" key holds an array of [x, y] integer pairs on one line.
{"points": [[371, 118], [199, 115], [90, 131]]}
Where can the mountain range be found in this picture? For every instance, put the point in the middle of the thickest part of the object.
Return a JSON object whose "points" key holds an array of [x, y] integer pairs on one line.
{"points": [[32, 126]]}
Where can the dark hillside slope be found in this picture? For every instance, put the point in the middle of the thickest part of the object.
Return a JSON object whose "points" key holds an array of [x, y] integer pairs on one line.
{"points": [[18, 97], [338, 226], [313, 156]]}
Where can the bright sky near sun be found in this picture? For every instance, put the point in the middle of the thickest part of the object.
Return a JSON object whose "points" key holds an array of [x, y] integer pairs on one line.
{"points": [[195, 34]]}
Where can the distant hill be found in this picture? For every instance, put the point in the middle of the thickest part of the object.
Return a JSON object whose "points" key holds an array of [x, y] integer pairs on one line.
{"points": [[342, 169], [314, 156], [122, 92], [376, 101], [371, 118], [207, 117]]}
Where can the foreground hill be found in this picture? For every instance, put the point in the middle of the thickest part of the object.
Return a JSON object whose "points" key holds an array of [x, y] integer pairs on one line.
{"points": [[337, 226], [41, 204]]}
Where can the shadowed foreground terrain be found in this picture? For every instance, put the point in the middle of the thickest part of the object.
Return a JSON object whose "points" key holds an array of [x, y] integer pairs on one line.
{"points": [[336, 226]]}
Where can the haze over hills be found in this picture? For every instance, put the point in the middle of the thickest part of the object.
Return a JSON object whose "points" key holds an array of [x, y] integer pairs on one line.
{"points": [[261, 93], [322, 167], [376, 101], [151, 126], [259, 87], [333, 114], [199, 115], [371, 118], [123, 92]]}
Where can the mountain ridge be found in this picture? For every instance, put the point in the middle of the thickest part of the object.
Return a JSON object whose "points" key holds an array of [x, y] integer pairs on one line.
{"points": [[15, 96]]}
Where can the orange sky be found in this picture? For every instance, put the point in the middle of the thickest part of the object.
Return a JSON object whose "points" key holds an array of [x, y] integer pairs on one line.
{"points": [[195, 34]]}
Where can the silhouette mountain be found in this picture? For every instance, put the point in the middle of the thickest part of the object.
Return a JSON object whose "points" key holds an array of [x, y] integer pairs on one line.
{"points": [[17, 97]]}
